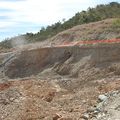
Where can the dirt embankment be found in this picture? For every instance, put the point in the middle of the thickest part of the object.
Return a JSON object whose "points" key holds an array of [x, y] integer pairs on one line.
{"points": [[77, 76], [73, 61]]}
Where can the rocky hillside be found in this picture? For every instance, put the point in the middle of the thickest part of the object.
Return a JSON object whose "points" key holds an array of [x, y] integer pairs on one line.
{"points": [[49, 81], [105, 29], [68, 61], [61, 83], [99, 13]]}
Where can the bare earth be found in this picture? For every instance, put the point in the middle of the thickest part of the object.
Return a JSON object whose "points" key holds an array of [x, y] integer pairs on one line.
{"points": [[64, 89], [62, 82]]}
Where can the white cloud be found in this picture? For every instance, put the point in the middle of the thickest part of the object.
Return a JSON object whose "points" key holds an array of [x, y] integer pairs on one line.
{"points": [[6, 24], [43, 11]]}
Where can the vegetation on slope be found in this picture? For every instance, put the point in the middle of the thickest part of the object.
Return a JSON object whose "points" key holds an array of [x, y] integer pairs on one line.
{"points": [[101, 12], [101, 30]]}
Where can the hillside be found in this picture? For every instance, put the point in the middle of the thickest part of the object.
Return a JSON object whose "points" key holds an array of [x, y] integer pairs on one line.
{"points": [[105, 29], [46, 76], [102, 30], [101, 12], [60, 83]]}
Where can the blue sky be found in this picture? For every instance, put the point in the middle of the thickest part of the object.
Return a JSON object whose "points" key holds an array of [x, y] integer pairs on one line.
{"points": [[21, 16]]}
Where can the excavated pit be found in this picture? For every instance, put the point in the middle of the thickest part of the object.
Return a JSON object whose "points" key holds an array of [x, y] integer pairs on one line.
{"points": [[62, 60]]}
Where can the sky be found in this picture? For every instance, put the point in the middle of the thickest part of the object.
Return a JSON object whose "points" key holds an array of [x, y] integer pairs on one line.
{"points": [[21, 16]]}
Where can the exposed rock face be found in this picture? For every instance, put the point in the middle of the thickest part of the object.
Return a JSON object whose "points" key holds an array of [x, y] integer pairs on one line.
{"points": [[64, 60], [35, 61]]}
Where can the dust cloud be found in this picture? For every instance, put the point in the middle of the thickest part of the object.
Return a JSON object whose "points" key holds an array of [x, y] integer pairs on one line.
{"points": [[19, 42]]}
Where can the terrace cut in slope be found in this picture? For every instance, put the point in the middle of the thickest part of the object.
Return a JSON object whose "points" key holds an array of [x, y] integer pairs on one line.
{"points": [[72, 61]]}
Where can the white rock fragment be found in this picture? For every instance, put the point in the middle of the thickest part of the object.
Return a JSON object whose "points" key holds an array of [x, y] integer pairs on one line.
{"points": [[102, 98], [86, 116]]}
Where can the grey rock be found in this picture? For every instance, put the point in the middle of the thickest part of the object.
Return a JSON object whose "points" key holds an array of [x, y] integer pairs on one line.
{"points": [[85, 116], [99, 107], [96, 111], [92, 109], [102, 98]]}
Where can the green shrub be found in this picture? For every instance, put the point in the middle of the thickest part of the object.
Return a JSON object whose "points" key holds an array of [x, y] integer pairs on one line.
{"points": [[118, 37], [116, 23]]}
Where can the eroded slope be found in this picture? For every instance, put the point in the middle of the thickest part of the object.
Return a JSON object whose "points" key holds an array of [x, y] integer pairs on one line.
{"points": [[73, 61]]}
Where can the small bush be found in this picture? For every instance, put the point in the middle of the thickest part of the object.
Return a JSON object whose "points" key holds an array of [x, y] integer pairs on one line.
{"points": [[118, 37], [116, 23]]}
